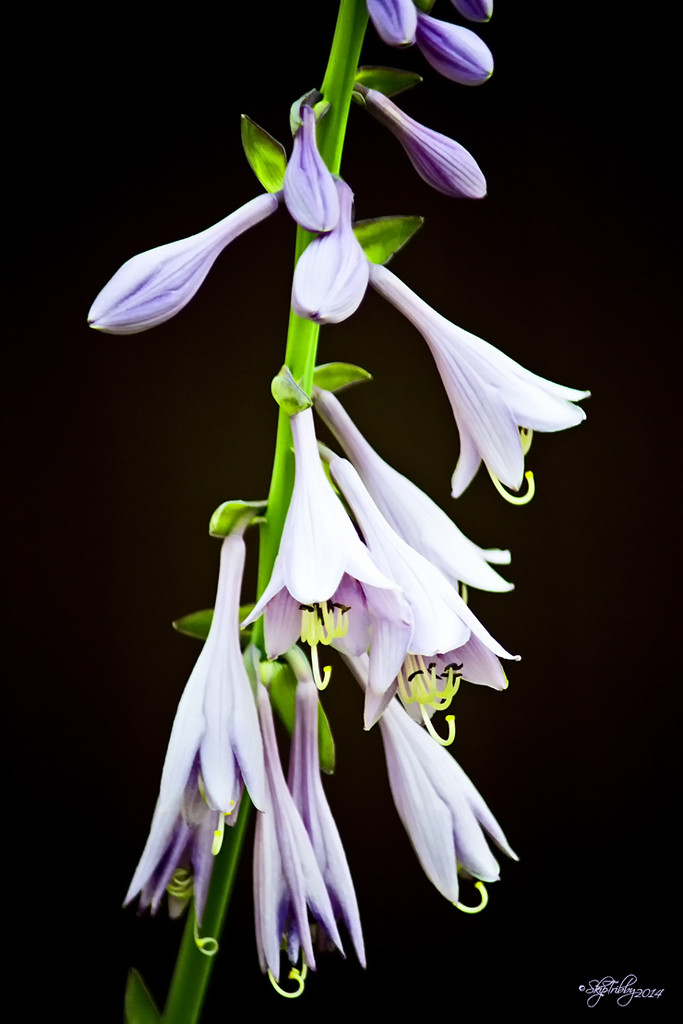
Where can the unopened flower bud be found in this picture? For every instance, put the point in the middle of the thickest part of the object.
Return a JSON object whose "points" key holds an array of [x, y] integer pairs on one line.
{"points": [[474, 10], [395, 21], [310, 192], [455, 52]]}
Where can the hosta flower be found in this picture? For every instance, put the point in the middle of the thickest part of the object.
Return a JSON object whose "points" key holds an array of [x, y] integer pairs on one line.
{"points": [[395, 20], [287, 879], [309, 189], [442, 624], [331, 276], [306, 787], [325, 587], [455, 52], [412, 514], [215, 748], [441, 162], [491, 395], [155, 285], [474, 10], [446, 819]]}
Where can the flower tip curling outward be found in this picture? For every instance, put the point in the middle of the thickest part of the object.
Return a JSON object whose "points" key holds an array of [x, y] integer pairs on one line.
{"points": [[331, 276], [395, 21], [455, 52], [441, 162], [153, 286]]}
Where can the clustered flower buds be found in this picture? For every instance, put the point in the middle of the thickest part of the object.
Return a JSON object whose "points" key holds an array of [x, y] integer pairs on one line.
{"points": [[364, 562]]}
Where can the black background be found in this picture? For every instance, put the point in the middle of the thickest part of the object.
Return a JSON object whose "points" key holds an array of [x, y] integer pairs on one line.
{"points": [[124, 133]]}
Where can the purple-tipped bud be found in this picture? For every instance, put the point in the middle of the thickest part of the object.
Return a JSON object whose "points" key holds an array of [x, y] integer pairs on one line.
{"points": [[310, 192], [394, 20], [155, 285], [474, 10], [454, 51], [331, 276], [441, 162]]}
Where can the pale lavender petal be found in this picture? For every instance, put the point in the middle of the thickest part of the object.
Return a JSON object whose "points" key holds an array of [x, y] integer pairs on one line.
{"points": [[395, 21], [474, 10], [455, 52], [441, 162], [309, 189], [155, 285], [282, 623], [331, 276]]}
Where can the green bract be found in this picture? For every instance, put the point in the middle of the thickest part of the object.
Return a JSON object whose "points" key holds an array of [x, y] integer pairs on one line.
{"points": [[266, 156], [381, 237], [387, 80], [289, 395], [139, 1006], [230, 513], [335, 376]]}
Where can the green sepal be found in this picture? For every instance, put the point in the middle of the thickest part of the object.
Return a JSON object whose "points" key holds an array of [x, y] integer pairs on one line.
{"points": [[266, 156], [312, 98], [381, 237], [282, 684], [198, 624], [289, 395], [229, 514], [334, 376], [389, 81], [424, 5], [139, 1007]]}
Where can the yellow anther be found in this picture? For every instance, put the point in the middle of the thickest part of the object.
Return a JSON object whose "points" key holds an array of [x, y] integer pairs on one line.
{"points": [[480, 906], [299, 976], [207, 945], [516, 499], [323, 622], [445, 742], [420, 683]]}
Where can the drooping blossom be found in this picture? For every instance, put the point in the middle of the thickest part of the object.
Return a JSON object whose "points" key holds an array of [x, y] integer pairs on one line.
{"points": [[441, 162], [395, 20], [474, 10], [446, 819], [155, 285], [287, 879], [455, 52], [491, 395], [309, 188], [412, 514], [325, 587], [215, 748], [306, 787], [447, 642], [332, 273]]}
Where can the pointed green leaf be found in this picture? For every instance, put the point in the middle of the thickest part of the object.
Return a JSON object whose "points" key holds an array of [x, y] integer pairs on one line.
{"points": [[139, 1007], [389, 81], [198, 624], [266, 156], [289, 395], [282, 687], [333, 376], [381, 237], [230, 513]]}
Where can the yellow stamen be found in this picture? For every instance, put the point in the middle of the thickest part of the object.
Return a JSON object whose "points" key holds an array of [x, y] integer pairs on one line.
{"points": [[480, 906], [220, 831], [323, 622], [180, 884], [207, 945], [321, 683], [299, 976], [516, 499], [445, 742], [526, 436]]}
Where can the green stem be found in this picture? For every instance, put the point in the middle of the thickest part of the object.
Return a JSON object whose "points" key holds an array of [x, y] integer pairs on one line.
{"points": [[193, 968]]}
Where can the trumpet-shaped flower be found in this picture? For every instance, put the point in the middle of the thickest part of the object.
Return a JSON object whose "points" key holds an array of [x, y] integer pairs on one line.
{"points": [[443, 625], [441, 162], [215, 748], [332, 274], [474, 10], [155, 285], [306, 787], [395, 21], [445, 817], [325, 587], [309, 189], [287, 879], [455, 52], [412, 514], [491, 395]]}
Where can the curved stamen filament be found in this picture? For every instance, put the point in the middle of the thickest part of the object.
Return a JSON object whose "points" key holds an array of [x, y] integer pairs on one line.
{"points": [[516, 499], [321, 683], [181, 884], [422, 684], [445, 742], [299, 976], [207, 945], [484, 898], [323, 622], [220, 831]]}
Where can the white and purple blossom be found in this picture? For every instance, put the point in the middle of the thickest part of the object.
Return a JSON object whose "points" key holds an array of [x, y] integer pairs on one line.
{"points": [[214, 750], [474, 10], [309, 189], [395, 21], [491, 395], [455, 52], [287, 879], [412, 514], [441, 162], [446, 819], [325, 587], [153, 286], [331, 276], [306, 787]]}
